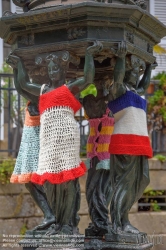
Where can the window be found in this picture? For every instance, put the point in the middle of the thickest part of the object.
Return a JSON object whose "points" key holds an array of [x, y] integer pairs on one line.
{"points": [[15, 8], [158, 9]]}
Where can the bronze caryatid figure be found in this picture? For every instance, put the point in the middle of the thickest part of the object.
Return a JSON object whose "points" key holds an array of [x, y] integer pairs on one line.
{"points": [[27, 159], [59, 161], [130, 146], [101, 124]]}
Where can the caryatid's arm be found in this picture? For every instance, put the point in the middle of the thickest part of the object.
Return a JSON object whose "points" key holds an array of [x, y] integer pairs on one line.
{"points": [[144, 83], [13, 61], [89, 70], [22, 81], [26, 95], [118, 88]]}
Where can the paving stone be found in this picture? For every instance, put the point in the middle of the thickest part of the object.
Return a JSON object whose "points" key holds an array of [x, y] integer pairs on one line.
{"points": [[13, 189], [155, 164], [157, 180], [9, 248], [10, 227], [18, 206], [149, 222], [14, 226]]}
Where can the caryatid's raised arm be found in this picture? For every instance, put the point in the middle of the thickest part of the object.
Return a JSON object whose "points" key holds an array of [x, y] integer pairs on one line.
{"points": [[89, 70], [121, 76], [118, 88], [12, 61], [144, 83], [21, 78]]}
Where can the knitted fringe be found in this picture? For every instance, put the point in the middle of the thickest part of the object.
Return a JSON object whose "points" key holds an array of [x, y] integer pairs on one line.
{"points": [[61, 177], [103, 164], [21, 178], [130, 145], [31, 121]]}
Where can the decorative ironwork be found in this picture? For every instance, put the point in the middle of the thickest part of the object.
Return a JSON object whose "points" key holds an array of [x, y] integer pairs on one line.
{"points": [[130, 37], [74, 33], [27, 40]]}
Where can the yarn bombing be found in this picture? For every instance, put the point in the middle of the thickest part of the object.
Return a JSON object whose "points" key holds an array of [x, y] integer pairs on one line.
{"points": [[57, 98], [27, 159], [59, 159], [98, 141], [130, 134]]}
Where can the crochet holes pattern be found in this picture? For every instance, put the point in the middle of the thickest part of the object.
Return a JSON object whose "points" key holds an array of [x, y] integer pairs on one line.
{"points": [[59, 140]]}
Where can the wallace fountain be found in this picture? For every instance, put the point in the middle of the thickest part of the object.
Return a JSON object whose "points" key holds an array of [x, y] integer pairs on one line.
{"points": [[59, 47]]}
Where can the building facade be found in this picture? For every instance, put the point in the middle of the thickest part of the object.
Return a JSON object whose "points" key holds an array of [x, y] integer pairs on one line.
{"points": [[158, 9]]}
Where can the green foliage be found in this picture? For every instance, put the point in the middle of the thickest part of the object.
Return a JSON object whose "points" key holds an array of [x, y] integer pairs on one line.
{"points": [[162, 80], [155, 99], [160, 157], [153, 203], [13, 96], [83, 154], [6, 68], [6, 169], [154, 206], [89, 90], [163, 113], [160, 76], [157, 102], [23, 229], [14, 107], [151, 192]]}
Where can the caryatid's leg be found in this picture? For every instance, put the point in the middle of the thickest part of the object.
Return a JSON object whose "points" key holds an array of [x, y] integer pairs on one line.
{"points": [[68, 190], [39, 196], [64, 199], [96, 191], [141, 181], [75, 216], [129, 178]]}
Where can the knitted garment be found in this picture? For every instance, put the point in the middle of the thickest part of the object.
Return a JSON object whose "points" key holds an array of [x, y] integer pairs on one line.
{"points": [[59, 159], [130, 134], [27, 159], [98, 141]]}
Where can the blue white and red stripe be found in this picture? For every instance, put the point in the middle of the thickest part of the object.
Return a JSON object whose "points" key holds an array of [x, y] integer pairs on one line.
{"points": [[130, 134]]}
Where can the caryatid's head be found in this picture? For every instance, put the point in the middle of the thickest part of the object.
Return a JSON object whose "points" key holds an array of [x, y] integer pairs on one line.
{"points": [[56, 62]]}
